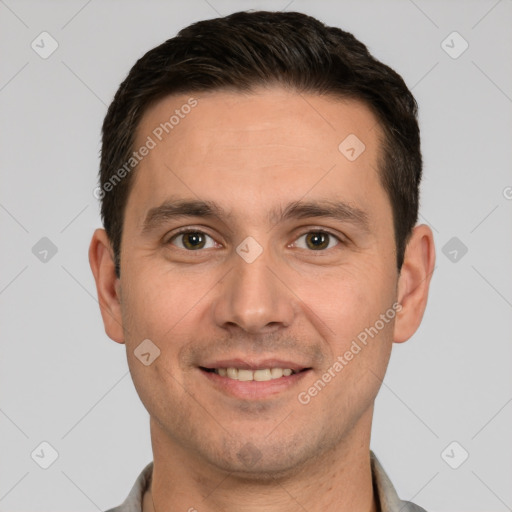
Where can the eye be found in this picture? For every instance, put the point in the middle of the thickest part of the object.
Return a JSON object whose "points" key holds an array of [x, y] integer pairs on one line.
{"points": [[191, 240], [317, 241]]}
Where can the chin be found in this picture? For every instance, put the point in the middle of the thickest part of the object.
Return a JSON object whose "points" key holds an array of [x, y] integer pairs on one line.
{"points": [[252, 462]]}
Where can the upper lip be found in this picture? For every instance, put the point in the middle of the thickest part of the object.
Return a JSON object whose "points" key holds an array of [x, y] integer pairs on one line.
{"points": [[253, 364]]}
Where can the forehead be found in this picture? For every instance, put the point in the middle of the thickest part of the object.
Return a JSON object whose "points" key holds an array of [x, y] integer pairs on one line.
{"points": [[272, 115], [260, 146]]}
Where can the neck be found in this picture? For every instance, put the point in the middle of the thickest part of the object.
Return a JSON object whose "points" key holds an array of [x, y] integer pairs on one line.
{"points": [[340, 480]]}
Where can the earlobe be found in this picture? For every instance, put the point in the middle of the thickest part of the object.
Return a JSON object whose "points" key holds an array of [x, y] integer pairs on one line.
{"points": [[414, 282], [107, 284]]}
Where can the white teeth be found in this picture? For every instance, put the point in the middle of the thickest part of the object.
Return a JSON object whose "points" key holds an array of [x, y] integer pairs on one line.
{"points": [[262, 375], [243, 374], [276, 373], [232, 373]]}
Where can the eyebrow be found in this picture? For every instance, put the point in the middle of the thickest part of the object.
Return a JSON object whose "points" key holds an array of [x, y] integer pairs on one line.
{"points": [[178, 208], [173, 209], [337, 210]]}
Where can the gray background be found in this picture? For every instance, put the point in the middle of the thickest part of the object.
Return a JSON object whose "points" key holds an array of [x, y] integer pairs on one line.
{"points": [[64, 382]]}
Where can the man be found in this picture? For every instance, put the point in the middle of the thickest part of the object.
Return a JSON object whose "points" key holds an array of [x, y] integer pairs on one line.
{"points": [[259, 184]]}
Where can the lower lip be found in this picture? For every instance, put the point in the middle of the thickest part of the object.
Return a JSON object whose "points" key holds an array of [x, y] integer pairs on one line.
{"points": [[253, 389]]}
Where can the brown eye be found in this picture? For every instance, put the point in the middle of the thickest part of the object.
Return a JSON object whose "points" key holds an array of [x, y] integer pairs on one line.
{"points": [[192, 240], [316, 241]]}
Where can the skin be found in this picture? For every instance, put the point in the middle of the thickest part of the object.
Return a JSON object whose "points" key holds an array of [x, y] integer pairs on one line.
{"points": [[250, 154]]}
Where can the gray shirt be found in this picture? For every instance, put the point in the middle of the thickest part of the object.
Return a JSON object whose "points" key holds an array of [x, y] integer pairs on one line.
{"points": [[385, 494]]}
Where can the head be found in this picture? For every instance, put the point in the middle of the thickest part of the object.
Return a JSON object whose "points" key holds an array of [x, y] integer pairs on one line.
{"points": [[244, 51], [292, 159]]}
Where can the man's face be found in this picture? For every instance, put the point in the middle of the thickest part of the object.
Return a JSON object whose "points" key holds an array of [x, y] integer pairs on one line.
{"points": [[262, 280]]}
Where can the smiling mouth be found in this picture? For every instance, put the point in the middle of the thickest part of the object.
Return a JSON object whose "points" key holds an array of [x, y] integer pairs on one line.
{"points": [[247, 375]]}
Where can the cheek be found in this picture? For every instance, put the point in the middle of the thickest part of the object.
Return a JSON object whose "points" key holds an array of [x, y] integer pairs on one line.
{"points": [[157, 302], [345, 301], [358, 342], [157, 309]]}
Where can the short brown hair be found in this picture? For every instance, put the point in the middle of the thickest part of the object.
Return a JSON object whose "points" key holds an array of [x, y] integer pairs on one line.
{"points": [[249, 49]]}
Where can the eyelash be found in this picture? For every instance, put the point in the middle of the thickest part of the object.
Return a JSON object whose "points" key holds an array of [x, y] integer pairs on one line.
{"points": [[317, 231]]}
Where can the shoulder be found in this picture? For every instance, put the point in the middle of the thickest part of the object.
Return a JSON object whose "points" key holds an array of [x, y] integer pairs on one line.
{"points": [[133, 502]]}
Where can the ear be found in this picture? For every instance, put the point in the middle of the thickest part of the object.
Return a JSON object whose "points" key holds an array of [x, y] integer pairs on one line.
{"points": [[102, 264], [414, 282]]}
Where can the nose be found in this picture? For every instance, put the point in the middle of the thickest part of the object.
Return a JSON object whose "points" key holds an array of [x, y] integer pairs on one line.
{"points": [[253, 298]]}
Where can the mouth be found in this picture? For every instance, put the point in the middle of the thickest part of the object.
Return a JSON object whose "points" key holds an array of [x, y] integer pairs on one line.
{"points": [[254, 381]]}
